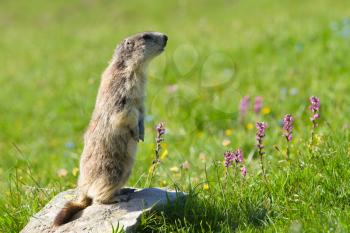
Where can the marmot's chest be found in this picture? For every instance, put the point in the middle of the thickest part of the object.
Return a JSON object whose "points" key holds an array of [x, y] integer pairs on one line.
{"points": [[135, 87], [135, 93]]}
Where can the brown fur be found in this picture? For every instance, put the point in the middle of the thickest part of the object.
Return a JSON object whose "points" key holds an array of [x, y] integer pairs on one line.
{"points": [[70, 209], [116, 127]]}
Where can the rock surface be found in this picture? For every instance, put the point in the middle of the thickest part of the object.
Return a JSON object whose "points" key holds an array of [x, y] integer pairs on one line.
{"points": [[101, 218]]}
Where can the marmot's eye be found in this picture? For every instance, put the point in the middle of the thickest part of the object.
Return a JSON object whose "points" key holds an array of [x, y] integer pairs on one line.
{"points": [[146, 37]]}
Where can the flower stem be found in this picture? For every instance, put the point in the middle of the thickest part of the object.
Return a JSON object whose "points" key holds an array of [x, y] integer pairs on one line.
{"points": [[262, 164], [287, 151]]}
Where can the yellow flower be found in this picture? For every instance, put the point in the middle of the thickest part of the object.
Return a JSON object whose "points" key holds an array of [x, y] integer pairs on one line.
{"points": [[62, 172], [174, 169], [228, 132], [164, 154], [164, 145], [265, 110], [75, 171], [163, 183], [205, 186], [226, 142], [249, 126]]}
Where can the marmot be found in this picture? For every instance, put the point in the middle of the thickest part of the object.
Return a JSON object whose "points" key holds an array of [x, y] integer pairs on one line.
{"points": [[116, 126]]}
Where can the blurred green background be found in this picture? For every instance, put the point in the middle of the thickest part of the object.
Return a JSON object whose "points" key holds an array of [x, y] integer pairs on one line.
{"points": [[52, 54]]}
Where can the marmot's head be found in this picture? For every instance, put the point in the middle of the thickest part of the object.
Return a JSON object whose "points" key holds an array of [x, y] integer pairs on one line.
{"points": [[139, 49]]}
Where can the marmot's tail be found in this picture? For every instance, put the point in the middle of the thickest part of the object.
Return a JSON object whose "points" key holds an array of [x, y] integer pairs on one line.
{"points": [[70, 209]]}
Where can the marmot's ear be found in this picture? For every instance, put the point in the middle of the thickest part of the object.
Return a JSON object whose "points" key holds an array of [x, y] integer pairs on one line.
{"points": [[119, 49]]}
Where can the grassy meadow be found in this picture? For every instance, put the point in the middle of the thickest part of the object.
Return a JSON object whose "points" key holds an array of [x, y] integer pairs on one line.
{"points": [[52, 54]]}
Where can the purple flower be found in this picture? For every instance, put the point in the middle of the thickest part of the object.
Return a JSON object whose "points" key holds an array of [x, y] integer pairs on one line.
{"points": [[315, 108], [244, 171], [258, 104], [288, 121], [229, 157], [243, 107], [315, 104], [239, 156], [160, 131], [315, 117], [260, 134]]}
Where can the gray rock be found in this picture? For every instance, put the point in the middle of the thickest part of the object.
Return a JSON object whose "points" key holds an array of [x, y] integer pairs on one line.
{"points": [[101, 218]]}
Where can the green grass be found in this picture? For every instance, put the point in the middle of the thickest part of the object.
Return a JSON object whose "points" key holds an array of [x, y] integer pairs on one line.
{"points": [[53, 52]]}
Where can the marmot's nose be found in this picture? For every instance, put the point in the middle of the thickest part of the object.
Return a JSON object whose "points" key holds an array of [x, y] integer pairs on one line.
{"points": [[165, 37]]}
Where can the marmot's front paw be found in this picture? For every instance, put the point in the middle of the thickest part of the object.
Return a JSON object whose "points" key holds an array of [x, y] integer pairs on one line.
{"points": [[135, 134], [141, 130]]}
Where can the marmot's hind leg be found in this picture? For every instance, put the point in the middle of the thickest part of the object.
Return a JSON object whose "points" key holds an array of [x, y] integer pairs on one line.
{"points": [[110, 194], [105, 195]]}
